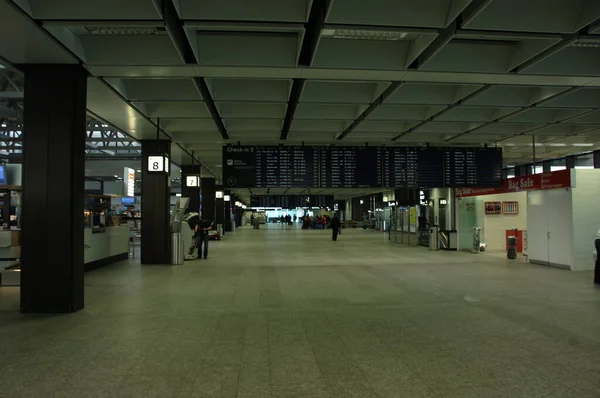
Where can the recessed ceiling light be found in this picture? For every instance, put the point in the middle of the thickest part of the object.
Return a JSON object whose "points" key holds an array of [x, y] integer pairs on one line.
{"points": [[138, 171], [124, 30], [362, 34]]}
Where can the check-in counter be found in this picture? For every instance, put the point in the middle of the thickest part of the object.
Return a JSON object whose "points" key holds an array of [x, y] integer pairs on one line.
{"points": [[105, 246]]}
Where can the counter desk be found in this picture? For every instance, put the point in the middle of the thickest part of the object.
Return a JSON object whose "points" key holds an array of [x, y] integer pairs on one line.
{"points": [[105, 246]]}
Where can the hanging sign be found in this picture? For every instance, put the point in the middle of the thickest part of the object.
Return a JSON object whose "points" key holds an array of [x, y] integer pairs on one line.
{"points": [[158, 164], [192, 181], [533, 182]]}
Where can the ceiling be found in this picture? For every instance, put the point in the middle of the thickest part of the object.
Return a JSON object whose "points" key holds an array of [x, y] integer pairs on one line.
{"points": [[344, 72]]}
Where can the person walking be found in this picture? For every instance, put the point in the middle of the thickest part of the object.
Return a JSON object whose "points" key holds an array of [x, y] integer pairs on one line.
{"points": [[202, 229], [335, 227]]}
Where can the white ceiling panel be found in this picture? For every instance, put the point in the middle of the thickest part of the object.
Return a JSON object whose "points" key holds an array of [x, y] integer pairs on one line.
{"points": [[430, 14], [326, 111], [180, 109], [341, 92], [319, 125], [361, 54], [474, 114], [513, 96], [94, 10], [254, 124], [161, 90], [545, 115], [182, 125], [129, 49], [243, 10], [250, 90], [234, 110], [536, 16], [431, 94], [404, 112], [249, 49]]}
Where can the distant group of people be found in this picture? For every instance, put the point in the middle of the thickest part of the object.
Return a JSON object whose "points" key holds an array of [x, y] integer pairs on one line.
{"points": [[315, 222]]}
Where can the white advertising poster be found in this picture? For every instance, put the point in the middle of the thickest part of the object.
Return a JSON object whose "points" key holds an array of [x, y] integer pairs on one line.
{"points": [[129, 182]]}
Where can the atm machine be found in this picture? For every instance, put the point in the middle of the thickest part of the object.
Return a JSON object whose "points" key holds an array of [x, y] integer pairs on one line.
{"points": [[180, 226]]}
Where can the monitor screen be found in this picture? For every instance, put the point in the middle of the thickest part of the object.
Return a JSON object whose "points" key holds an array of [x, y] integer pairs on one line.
{"points": [[128, 201], [2, 174]]}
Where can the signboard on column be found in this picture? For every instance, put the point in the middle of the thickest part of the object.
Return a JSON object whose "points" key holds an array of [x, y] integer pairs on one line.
{"points": [[129, 182], [158, 164]]}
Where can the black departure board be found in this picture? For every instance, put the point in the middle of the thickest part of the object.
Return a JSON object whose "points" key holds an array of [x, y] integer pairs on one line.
{"points": [[351, 167], [401, 167], [431, 168], [270, 167], [472, 167], [292, 201], [360, 167]]}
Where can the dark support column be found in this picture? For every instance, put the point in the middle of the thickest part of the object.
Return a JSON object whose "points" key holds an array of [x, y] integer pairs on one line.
{"points": [[597, 159], [53, 180], [570, 162], [220, 209], [191, 192], [521, 171], [209, 186], [546, 167], [228, 215], [156, 202]]}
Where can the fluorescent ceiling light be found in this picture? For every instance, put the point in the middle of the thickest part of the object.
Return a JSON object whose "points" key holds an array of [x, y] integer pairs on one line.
{"points": [[178, 194], [586, 43], [123, 30], [362, 34]]}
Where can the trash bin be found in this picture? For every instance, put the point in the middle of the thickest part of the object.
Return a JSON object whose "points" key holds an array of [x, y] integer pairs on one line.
{"points": [[512, 247], [220, 229], [176, 248], [434, 238]]}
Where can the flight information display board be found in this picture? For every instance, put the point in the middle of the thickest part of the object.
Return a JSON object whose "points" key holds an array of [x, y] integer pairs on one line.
{"points": [[351, 167], [292, 201], [361, 167], [472, 167], [270, 167], [401, 167]]}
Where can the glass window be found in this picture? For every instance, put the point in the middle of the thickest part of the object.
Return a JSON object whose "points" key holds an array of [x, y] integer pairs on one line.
{"points": [[558, 164], [539, 169], [585, 161]]}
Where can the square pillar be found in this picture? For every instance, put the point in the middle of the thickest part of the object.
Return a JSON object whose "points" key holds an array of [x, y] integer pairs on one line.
{"points": [[53, 189], [209, 189], [228, 210], [570, 162], [156, 203], [220, 208], [191, 192], [597, 159]]}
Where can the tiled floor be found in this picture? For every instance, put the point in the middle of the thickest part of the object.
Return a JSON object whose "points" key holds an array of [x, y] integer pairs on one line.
{"points": [[289, 313]]}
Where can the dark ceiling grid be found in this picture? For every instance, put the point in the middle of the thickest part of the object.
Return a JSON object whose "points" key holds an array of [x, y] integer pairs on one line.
{"points": [[374, 105], [448, 33], [176, 31], [313, 27], [566, 41], [518, 111], [450, 107]]}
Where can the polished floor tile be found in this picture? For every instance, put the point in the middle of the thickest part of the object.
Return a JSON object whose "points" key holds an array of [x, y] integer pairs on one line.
{"points": [[282, 312]]}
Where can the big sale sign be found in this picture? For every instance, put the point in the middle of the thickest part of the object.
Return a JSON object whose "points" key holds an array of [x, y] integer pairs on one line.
{"points": [[534, 182]]}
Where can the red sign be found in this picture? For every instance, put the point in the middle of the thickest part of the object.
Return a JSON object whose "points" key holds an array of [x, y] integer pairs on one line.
{"points": [[533, 182]]}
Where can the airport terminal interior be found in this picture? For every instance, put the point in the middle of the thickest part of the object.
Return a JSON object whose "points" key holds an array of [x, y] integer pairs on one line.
{"points": [[299, 198]]}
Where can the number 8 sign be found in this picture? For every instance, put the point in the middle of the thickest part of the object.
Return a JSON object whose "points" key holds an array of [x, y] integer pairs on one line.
{"points": [[158, 164]]}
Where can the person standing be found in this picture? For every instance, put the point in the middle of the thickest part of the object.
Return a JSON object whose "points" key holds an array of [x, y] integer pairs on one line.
{"points": [[335, 227], [202, 229]]}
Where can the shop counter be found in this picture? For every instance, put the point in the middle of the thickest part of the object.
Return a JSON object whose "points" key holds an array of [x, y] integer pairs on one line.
{"points": [[106, 246]]}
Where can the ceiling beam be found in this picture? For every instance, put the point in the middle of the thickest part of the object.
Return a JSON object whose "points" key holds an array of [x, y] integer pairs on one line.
{"points": [[176, 31], [374, 105], [566, 41], [310, 42], [448, 33], [454, 105]]}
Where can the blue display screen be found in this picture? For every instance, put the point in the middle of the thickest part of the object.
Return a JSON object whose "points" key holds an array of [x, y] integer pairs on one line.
{"points": [[128, 201], [2, 175]]}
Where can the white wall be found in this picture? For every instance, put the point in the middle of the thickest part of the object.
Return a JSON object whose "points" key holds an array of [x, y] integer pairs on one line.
{"points": [[113, 187], [586, 216], [348, 210], [495, 225]]}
